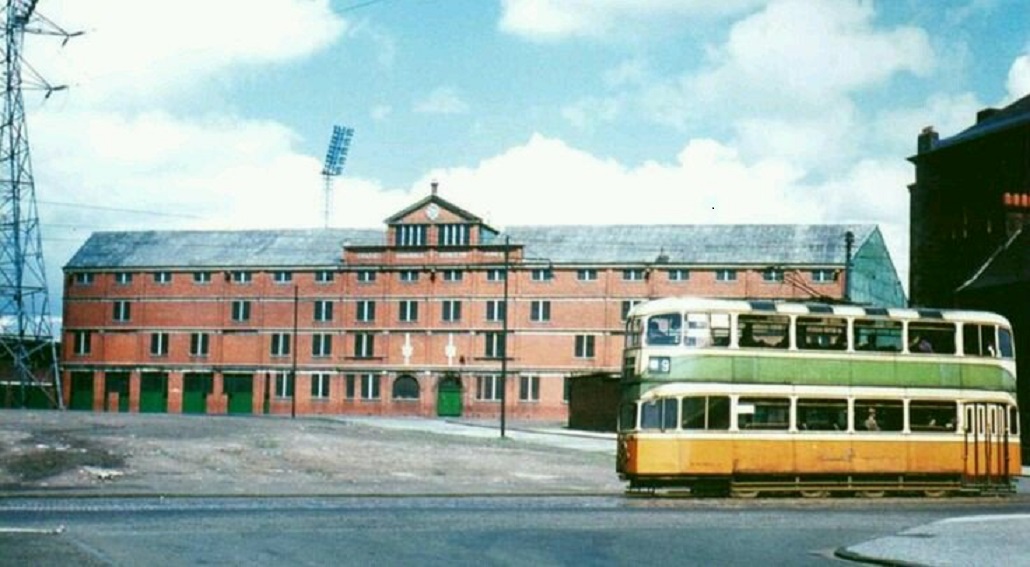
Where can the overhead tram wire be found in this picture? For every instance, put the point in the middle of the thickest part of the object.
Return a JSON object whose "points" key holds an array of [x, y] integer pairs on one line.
{"points": [[118, 209]]}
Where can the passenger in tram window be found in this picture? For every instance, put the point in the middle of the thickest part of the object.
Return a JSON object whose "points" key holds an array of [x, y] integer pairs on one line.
{"points": [[747, 337], [919, 344], [870, 421]]}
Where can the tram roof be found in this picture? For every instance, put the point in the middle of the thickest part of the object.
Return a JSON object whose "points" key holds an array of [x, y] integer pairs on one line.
{"points": [[702, 304]]}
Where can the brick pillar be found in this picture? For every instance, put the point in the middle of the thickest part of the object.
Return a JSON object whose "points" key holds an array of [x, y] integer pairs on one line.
{"points": [[99, 383], [175, 391], [217, 401], [134, 382]]}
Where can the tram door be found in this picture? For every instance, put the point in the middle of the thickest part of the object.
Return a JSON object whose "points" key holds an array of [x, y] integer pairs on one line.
{"points": [[986, 444]]}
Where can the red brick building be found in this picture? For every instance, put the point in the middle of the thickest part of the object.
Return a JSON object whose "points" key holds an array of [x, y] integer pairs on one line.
{"points": [[410, 320]]}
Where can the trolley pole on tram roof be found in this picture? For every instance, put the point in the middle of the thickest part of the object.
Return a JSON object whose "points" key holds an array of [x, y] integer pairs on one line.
{"points": [[504, 336]]}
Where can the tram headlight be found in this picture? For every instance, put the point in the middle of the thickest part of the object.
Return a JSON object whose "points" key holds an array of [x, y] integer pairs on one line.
{"points": [[659, 365]]}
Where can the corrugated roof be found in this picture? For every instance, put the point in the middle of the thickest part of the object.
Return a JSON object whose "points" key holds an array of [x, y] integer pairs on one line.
{"points": [[595, 244], [695, 244], [245, 248]]}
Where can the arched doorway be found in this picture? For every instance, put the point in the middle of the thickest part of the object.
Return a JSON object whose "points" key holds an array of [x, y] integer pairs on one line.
{"points": [[405, 387], [448, 396]]}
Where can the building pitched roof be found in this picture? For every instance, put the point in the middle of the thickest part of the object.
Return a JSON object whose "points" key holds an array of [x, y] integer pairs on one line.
{"points": [[218, 248], [440, 202], [1012, 116], [595, 244]]}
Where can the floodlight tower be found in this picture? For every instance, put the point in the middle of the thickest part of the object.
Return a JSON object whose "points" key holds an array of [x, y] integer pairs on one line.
{"points": [[28, 355], [335, 157]]}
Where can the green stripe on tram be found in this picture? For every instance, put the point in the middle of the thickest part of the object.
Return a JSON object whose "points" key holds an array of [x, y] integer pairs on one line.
{"points": [[815, 372]]}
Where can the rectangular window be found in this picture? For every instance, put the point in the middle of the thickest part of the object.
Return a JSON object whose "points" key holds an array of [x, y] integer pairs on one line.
{"points": [[659, 414], [495, 275], [822, 415], [453, 234], [411, 235], [83, 342], [493, 345], [879, 415], [366, 311], [350, 386], [628, 304], [979, 340], [926, 338], [725, 275], [529, 388], [586, 275], [763, 331], [495, 310], [679, 275], [366, 276], [452, 275], [280, 345], [201, 277], [408, 310], [123, 278], [585, 346], [772, 275], [364, 345], [932, 416], [199, 344], [283, 385], [163, 277], [762, 414], [320, 385], [878, 335], [281, 277], [240, 310], [370, 386], [705, 330], [83, 278], [241, 277], [823, 276], [706, 413], [488, 388], [540, 311], [822, 333], [323, 310], [321, 345], [122, 311], [664, 329], [542, 275], [451, 310], [409, 276], [324, 276], [158, 344], [633, 275]]}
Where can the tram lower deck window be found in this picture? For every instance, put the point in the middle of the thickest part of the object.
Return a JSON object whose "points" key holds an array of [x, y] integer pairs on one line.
{"points": [[763, 413], [706, 412], [930, 416], [822, 415], [879, 415], [659, 414]]}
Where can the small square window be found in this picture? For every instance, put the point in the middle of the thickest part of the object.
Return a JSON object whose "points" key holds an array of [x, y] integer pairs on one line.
{"points": [[123, 278], [587, 275], [282, 277], [202, 277], [241, 277], [366, 276], [163, 277], [409, 276], [679, 275]]}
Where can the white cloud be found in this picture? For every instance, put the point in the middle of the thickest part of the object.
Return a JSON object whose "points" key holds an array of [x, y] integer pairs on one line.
{"points": [[1018, 84], [552, 20], [442, 100]]}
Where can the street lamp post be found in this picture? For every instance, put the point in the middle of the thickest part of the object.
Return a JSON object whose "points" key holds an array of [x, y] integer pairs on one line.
{"points": [[293, 366]]}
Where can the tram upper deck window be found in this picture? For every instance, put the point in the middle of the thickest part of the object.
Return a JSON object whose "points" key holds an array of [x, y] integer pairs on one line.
{"points": [[763, 413], [659, 414], [924, 337], [1005, 343], [878, 335], [633, 331], [763, 331], [707, 330], [706, 412], [879, 415], [931, 416], [979, 340], [628, 417], [664, 329], [822, 415], [822, 333]]}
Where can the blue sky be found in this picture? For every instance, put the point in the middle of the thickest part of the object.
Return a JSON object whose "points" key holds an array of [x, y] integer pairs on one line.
{"points": [[215, 115]]}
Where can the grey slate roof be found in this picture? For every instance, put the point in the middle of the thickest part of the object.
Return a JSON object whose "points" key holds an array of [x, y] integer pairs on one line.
{"points": [[695, 244], [219, 248], [595, 244]]}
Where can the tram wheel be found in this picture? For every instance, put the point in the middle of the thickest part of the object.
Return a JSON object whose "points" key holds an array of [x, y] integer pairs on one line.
{"points": [[744, 493], [815, 493], [871, 493], [939, 493]]}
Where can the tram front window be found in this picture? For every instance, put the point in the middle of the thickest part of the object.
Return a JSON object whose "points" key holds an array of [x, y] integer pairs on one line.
{"points": [[664, 329], [628, 417]]}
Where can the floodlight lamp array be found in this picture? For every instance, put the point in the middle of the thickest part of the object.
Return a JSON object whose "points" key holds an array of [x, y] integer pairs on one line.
{"points": [[336, 156]]}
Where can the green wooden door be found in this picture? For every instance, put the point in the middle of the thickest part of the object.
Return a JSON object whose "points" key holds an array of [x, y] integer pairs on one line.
{"points": [[195, 389], [239, 388], [82, 391], [117, 382], [153, 393], [448, 399]]}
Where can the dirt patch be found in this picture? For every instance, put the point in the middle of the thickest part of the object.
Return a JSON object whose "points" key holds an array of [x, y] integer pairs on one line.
{"points": [[98, 453]]}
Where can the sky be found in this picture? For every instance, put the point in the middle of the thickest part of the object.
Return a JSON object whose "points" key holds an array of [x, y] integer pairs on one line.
{"points": [[193, 114]]}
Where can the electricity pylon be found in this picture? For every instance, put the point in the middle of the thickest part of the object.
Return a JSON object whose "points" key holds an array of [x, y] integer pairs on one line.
{"points": [[28, 355]]}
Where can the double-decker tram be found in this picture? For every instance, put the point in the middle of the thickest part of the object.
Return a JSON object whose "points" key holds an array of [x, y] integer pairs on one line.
{"points": [[752, 397]]}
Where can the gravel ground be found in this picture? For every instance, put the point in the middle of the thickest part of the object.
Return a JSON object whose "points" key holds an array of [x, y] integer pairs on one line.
{"points": [[83, 453]]}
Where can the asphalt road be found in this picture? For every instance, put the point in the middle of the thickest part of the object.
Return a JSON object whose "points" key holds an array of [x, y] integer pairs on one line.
{"points": [[461, 531]]}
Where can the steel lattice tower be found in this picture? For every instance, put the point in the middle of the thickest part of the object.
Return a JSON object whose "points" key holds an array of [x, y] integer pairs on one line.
{"points": [[28, 355]]}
